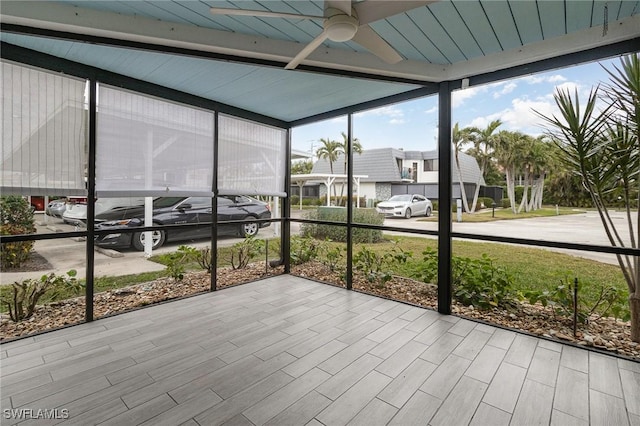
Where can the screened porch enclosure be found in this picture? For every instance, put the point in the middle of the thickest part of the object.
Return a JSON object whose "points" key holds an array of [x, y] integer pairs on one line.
{"points": [[184, 109]]}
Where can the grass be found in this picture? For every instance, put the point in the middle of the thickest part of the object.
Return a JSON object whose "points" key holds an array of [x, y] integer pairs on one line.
{"points": [[507, 214], [531, 268]]}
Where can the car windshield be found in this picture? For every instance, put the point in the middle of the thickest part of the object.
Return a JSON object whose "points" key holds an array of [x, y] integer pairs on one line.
{"points": [[404, 197], [166, 201]]}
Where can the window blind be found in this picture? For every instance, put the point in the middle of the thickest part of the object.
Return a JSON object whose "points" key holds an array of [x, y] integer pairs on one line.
{"points": [[147, 146], [251, 158], [43, 132]]}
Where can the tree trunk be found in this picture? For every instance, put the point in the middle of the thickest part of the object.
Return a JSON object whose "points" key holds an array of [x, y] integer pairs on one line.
{"points": [[509, 175], [634, 307], [475, 197], [463, 192], [525, 193]]}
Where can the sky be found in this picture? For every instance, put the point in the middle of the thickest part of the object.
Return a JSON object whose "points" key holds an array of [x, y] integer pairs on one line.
{"points": [[413, 125]]}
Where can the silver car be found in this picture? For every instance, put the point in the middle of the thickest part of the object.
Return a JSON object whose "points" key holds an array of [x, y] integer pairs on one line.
{"points": [[76, 213], [56, 208], [405, 205]]}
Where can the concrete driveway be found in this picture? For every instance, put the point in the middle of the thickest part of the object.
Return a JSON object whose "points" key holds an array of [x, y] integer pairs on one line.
{"points": [[69, 253]]}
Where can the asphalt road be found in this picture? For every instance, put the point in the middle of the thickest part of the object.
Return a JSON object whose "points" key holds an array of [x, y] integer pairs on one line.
{"points": [[68, 253], [582, 228]]}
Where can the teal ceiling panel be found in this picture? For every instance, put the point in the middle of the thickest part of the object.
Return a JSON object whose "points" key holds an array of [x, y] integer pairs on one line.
{"points": [[448, 17], [527, 18], [437, 33], [426, 37], [552, 18], [396, 39], [475, 18], [580, 13], [504, 27]]}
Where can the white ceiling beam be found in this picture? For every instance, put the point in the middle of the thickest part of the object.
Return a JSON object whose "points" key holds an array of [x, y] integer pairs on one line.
{"points": [[578, 41]]}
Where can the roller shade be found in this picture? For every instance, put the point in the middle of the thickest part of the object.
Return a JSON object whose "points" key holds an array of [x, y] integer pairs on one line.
{"points": [[251, 158], [151, 147], [43, 132]]}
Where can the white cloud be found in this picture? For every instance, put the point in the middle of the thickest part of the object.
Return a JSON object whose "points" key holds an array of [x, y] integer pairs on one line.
{"points": [[387, 111], [537, 79], [432, 110], [506, 89], [397, 121], [459, 97]]}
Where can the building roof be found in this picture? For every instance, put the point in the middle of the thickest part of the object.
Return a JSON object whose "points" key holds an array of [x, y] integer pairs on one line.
{"points": [[381, 165]]}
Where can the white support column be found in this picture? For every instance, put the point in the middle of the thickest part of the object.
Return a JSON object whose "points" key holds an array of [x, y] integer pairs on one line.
{"points": [[148, 201]]}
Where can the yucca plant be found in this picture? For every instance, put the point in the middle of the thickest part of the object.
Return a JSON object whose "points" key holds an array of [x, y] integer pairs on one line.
{"points": [[599, 143]]}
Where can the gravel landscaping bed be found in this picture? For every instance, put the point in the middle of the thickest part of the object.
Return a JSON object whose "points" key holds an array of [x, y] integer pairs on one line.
{"points": [[606, 334]]}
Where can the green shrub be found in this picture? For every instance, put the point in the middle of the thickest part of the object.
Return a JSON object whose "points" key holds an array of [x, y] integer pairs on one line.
{"points": [[175, 262], [26, 294], [304, 249], [561, 300], [339, 233], [332, 257], [16, 217], [244, 251], [377, 268], [295, 200], [505, 203], [476, 282], [485, 201]]}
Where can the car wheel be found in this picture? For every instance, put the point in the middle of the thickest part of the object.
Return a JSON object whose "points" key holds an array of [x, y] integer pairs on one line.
{"points": [[407, 214], [249, 229], [428, 212], [157, 237]]}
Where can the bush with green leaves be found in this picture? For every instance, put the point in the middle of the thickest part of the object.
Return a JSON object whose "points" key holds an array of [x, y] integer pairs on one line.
{"points": [[339, 233], [304, 249], [377, 267], [244, 251], [477, 282], [16, 217], [21, 303], [561, 299], [175, 262], [332, 257]]}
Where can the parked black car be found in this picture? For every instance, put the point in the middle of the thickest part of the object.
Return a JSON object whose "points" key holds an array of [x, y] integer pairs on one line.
{"points": [[181, 210]]}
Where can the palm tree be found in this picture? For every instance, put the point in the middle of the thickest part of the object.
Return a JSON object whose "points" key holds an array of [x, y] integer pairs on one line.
{"points": [[330, 151], [507, 148], [356, 148], [459, 138], [602, 148], [483, 141]]}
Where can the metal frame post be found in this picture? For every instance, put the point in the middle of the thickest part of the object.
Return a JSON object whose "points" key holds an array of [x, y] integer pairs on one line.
{"points": [[444, 199]]}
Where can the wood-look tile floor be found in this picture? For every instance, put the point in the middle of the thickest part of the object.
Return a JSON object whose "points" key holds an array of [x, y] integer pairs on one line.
{"points": [[288, 351]]}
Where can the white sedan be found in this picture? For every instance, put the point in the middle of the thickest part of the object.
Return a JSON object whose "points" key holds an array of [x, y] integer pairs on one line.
{"points": [[405, 205]]}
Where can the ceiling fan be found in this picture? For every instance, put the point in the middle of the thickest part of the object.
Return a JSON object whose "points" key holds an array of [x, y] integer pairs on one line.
{"points": [[343, 20]]}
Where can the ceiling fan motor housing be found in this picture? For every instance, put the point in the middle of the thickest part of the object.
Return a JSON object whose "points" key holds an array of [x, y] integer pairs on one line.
{"points": [[341, 27]]}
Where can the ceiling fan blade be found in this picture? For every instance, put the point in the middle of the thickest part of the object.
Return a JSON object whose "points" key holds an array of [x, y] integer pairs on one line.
{"points": [[375, 44], [342, 5], [262, 13], [370, 11], [313, 45]]}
